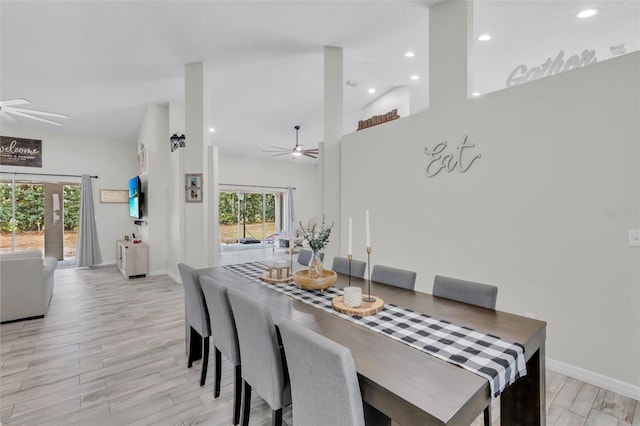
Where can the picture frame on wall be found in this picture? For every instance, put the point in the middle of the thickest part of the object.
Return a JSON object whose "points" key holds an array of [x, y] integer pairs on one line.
{"points": [[193, 187]]}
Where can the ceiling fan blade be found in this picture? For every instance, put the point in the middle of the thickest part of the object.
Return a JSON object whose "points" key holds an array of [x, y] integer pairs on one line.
{"points": [[33, 111], [280, 155], [310, 154], [9, 117], [44, 120], [12, 102]]}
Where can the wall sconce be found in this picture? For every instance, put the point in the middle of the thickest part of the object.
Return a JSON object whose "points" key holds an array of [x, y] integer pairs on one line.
{"points": [[177, 141]]}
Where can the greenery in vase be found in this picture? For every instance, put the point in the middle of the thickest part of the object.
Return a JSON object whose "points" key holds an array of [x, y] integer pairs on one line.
{"points": [[316, 235]]}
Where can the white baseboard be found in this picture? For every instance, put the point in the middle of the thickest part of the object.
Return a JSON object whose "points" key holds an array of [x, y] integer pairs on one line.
{"points": [[605, 382], [158, 272], [174, 277]]}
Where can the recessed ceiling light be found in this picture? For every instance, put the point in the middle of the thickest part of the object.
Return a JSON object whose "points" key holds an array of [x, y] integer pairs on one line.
{"points": [[415, 77], [212, 130], [372, 90], [484, 37], [587, 13], [475, 94], [409, 54]]}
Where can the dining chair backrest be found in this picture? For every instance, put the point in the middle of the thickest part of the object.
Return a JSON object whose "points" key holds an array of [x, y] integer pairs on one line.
{"points": [[470, 292], [262, 365], [324, 383], [223, 327], [394, 277], [196, 314], [341, 266], [304, 256]]}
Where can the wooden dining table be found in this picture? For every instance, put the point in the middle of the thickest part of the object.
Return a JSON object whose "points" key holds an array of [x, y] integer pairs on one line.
{"points": [[410, 386]]}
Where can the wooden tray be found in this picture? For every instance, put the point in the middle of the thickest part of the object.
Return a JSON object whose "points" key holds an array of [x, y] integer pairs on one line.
{"points": [[302, 280], [273, 280], [366, 309]]}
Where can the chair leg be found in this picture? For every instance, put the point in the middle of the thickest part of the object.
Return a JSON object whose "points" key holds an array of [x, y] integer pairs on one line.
{"points": [[487, 415], [276, 417], [246, 403], [237, 396], [205, 361], [218, 375], [195, 347]]}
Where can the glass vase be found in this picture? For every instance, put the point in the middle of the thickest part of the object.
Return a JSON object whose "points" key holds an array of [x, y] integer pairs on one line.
{"points": [[315, 265]]}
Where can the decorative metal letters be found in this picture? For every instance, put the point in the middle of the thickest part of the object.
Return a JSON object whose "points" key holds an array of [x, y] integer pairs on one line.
{"points": [[449, 162]]}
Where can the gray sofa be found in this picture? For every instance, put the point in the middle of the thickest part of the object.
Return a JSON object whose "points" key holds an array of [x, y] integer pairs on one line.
{"points": [[26, 285]]}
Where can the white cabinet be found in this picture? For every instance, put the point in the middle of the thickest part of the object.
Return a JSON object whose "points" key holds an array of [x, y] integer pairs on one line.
{"points": [[133, 259]]}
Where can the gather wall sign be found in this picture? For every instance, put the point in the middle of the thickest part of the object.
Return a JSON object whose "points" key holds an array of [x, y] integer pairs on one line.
{"points": [[440, 160]]}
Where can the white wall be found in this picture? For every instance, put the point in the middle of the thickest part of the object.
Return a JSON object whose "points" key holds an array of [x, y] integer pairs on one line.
{"points": [[113, 162], [532, 215], [154, 135], [398, 97]]}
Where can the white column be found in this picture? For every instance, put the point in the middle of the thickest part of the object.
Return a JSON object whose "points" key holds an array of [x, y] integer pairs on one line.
{"points": [[331, 153], [448, 76], [196, 117]]}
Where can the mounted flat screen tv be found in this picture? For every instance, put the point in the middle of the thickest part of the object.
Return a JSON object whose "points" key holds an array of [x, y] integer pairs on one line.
{"points": [[136, 198]]}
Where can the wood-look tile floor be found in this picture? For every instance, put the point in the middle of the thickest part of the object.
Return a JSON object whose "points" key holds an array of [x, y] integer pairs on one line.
{"points": [[111, 352]]}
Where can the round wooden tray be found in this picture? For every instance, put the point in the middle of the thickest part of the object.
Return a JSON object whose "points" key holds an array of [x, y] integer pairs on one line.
{"points": [[273, 280], [302, 280], [366, 309]]}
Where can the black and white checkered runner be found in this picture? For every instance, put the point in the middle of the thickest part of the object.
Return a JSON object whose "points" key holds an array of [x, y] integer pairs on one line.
{"points": [[499, 361]]}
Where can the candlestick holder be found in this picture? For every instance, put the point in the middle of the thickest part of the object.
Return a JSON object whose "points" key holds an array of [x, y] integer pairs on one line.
{"points": [[369, 298], [350, 257]]}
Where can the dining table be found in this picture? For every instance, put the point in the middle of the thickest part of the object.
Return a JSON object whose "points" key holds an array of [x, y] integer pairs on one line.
{"points": [[408, 385]]}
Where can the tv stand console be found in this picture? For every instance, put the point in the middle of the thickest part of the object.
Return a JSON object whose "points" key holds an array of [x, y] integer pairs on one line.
{"points": [[132, 259]]}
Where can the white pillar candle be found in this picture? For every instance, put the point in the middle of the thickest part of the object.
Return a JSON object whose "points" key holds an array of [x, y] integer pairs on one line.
{"points": [[350, 247], [367, 228]]}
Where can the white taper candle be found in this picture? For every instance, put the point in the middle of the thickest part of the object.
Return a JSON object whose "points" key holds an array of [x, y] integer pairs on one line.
{"points": [[350, 246], [367, 227]]}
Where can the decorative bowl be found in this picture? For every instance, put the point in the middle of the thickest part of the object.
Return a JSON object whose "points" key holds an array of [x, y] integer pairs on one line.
{"points": [[302, 280]]}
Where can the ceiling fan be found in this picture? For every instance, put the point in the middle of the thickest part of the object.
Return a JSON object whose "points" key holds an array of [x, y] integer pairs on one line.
{"points": [[9, 109], [297, 150]]}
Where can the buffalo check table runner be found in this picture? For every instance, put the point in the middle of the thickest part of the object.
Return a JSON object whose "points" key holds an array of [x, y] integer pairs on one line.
{"points": [[499, 361]]}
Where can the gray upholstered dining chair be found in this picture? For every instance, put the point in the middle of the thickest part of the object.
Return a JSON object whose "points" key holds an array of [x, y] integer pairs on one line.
{"points": [[304, 256], [263, 365], [196, 316], [341, 266], [324, 382], [469, 292], [393, 276], [224, 336]]}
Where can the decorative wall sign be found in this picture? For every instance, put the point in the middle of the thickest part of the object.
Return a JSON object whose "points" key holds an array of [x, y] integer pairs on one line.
{"points": [[142, 160], [20, 152], [193, 187], [114, 196], [449, 162], [522, 74], [378, 119]]}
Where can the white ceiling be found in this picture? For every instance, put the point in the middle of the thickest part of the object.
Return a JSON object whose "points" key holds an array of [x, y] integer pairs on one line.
{"points": [[101, 62]]}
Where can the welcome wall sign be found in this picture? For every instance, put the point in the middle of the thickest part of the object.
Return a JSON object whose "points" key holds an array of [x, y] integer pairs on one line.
{"points": [[440, 160], [20, 152]]}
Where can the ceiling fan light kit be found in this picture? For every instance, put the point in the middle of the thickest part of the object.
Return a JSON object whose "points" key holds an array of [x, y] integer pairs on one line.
{"points": [[9, 109], [297, 150]]}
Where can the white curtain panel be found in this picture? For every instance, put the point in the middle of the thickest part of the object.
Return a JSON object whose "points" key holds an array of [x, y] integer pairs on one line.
{"points": [[88, 251], [290, 228]]}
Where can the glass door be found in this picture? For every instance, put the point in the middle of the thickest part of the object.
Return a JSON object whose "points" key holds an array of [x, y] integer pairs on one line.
{"points": [[39, 216], [246, 219]]}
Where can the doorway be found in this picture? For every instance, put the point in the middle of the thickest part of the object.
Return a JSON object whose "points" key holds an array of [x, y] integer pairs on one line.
{"points": [[248, 219], [36, 215]]}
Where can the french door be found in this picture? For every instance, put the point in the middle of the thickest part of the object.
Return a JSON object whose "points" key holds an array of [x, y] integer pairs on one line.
{"points": [[247, 219], [39, 216]]}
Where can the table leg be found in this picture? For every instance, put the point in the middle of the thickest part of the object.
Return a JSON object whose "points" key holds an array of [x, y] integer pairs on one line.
{"points": [[523, 403]]}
